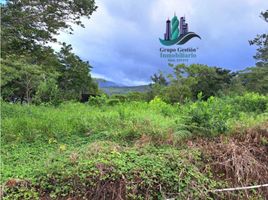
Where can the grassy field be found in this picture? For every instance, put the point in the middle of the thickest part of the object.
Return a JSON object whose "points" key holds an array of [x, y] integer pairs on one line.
{"points": [[130, 150]]}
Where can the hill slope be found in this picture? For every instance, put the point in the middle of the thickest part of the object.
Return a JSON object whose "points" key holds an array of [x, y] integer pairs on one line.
{"points": [[111, 88]]}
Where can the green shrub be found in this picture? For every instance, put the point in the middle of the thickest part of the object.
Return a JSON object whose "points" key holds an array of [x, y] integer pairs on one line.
{"points": [[136, 96], [121, 98], [113, 102], [249, 102], [211, 117], [98, 100], [138, 171], [73, 147], [47, 92]]}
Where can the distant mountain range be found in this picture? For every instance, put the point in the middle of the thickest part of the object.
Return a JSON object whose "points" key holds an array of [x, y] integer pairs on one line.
{"points": [[110, 87], [104, 83]]}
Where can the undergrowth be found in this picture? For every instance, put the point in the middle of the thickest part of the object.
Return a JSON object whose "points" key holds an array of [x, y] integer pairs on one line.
{"points": [[119, 150]]}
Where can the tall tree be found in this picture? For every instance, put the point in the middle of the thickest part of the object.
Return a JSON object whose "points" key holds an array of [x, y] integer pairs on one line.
{"points": [[19, 79], [209, 80], [29, 24], [159, 79], [186, 82], [30, 66], [256, 78], [262, 42], [74, 77]]}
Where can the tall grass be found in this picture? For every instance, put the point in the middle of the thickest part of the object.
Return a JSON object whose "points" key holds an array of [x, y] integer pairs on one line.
{"points": [[128, 121], [135, 140]]}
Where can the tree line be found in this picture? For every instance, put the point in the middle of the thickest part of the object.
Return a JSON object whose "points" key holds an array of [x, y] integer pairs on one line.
{"points": [[187, 82], [32, 72]]}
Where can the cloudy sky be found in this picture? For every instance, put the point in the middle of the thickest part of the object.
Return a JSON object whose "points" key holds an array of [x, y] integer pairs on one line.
{"points": [[121, 40]]}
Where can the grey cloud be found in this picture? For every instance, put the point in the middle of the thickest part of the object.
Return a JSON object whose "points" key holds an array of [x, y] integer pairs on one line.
{"points": [[121, 39]]}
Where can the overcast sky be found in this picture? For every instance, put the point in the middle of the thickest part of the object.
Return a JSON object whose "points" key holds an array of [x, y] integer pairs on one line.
{"points": [[121, 40]]}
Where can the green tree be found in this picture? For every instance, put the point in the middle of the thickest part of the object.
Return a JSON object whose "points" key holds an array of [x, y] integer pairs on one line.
{"points": [[208, 80], [19, 79], [31, 68], [262, 42], [256, 78], [47, 92], [75, 78], [29, 24], [186, 82], [159, 79], [179, 88], [159, 82]]}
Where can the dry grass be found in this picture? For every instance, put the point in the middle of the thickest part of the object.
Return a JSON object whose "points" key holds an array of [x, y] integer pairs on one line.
{"points": [[241, 159]]}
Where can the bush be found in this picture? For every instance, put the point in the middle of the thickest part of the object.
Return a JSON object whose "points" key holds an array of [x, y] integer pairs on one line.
{"points": [[121, 98], [136, 96], [250, 102], [76, 149], [113, 102], [211, 117], [106, 170], [47, 92], [98, 100]]}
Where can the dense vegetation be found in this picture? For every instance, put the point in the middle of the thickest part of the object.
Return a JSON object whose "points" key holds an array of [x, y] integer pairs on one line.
{"points": [[127, 150], [31, 70], [190, 132]]}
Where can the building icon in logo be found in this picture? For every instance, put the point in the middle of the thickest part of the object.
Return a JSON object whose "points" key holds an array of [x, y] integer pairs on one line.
{"points": [[177, 32]]}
